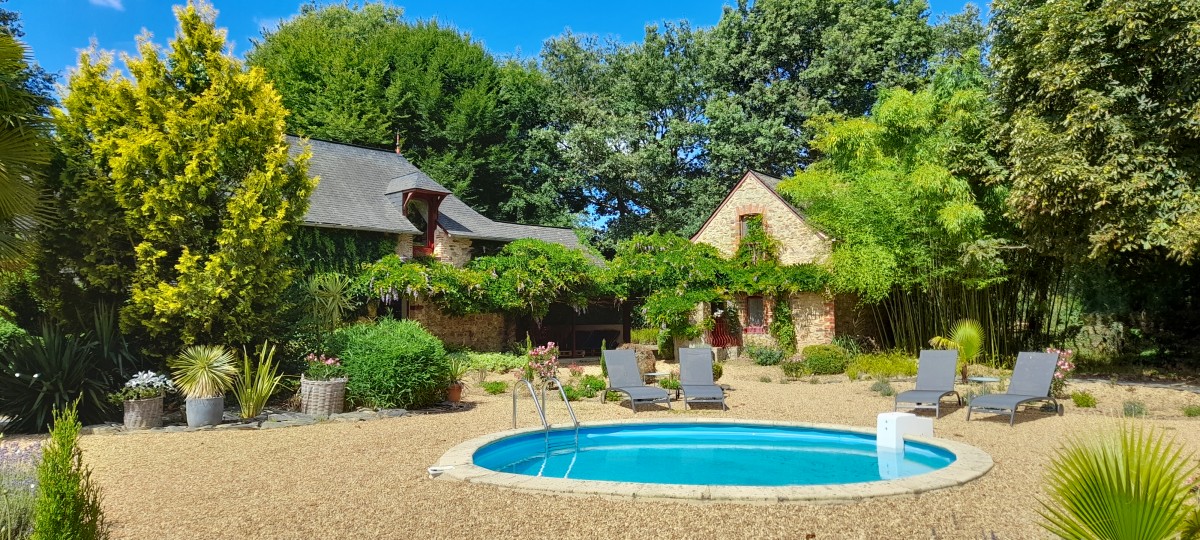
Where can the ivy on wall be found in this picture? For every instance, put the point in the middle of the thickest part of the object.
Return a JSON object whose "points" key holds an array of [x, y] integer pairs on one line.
{"points": [[315, 250]]}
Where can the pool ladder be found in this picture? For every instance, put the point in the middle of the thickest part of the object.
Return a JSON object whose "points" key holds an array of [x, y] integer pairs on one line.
{"points": [[538, 405]]}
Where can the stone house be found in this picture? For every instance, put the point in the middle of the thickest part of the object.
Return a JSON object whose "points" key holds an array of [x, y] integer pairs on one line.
{"points": [[366, 189], [815, 315]]}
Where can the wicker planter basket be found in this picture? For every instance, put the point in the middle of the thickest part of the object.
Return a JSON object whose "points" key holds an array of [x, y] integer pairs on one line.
{"points": [[144, 413], [322, 398]]}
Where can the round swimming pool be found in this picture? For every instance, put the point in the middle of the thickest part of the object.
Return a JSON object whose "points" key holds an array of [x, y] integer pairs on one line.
{"points": [[717, 459], [708, 454]]}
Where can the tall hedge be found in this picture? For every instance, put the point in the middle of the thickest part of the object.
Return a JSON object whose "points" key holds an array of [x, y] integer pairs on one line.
{"points": [[393, 363]]}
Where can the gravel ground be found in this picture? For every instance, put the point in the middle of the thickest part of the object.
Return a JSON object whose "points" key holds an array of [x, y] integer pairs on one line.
{"points": [[368, 480]]}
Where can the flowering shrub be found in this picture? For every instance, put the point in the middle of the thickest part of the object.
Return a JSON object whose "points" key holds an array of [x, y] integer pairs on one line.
{"points": [[143, 385], [575, 369], [543, 361], [1062, 371], [323, 368]]}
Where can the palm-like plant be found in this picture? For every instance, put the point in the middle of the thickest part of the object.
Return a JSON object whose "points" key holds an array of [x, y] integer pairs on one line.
{"points": [[256, 384], [1132, 484], [330, 294], [24, 152], [967, 338], [203, 371]]}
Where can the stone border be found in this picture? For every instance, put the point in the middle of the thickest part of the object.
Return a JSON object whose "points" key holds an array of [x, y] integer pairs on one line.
{"points": [[970, 463]]}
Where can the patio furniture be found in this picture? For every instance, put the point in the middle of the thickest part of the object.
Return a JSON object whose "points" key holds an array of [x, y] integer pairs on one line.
{"points": [[696, 377], [624, 377], [935, 380], [1030, 382]]}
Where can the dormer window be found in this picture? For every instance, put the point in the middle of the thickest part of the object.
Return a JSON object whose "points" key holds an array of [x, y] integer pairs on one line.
{"points": [[421, 209]]}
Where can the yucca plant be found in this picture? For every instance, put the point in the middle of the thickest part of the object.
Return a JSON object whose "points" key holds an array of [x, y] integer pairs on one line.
{"points": [[1131, 484], [203, 371], [48, 371], [967, 338], [255, 384], [331, 300]]}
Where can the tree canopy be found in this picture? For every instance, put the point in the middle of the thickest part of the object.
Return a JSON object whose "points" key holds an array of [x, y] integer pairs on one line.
{"points": [[181, 187], [363, 75], [1101, 122]]}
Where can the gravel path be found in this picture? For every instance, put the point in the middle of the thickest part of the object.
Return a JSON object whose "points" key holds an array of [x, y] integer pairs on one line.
{"points": [[368, 480]]}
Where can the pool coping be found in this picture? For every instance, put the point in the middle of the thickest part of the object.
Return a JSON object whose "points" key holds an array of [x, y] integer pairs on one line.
{"points": [[970, 463]]}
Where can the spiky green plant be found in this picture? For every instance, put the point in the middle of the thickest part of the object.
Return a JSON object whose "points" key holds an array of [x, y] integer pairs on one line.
{"points": [[330, 299], [967, 338], [1131, 484], [255, 384], [203, 371]]}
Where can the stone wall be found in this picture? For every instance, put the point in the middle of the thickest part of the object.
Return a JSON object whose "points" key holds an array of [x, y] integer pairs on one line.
{"points": [[453, 250], [404, 245], [815, 319], [855, 320], [487, 332], [798, 241]]}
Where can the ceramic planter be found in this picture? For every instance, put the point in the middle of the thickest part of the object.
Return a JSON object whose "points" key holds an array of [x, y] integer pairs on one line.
{"points": [[205, 411]]}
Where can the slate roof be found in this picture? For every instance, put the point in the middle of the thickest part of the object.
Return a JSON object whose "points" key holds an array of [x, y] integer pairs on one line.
{"points": [[360, 188]]}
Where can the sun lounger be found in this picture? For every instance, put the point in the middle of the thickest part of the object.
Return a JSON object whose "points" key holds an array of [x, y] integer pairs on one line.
{"points": [[1030, 382], [623, 376], [935, 380], [696, 377]]}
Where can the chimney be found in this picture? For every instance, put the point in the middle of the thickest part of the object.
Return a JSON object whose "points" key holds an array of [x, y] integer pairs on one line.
{"points": [[397, 142]]}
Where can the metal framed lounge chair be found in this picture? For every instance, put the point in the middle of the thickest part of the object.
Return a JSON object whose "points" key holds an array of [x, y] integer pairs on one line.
{"points": [[696, 377], [935, 380], [623, 376], [1030, 382]]}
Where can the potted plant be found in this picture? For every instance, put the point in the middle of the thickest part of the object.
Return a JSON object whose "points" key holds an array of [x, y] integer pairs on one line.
{"points": [[322, 385], [142, 397], [459, 366], [203, 373]]}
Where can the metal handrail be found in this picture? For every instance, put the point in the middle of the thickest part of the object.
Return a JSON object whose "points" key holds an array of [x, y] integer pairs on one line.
{"points": [[536, 406], [563, 393]]}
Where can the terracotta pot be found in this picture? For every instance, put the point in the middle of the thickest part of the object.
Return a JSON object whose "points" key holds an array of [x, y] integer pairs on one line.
{"points": [[454, 394]]}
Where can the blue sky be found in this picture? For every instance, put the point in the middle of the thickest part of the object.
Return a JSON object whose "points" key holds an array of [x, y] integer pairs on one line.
{"points": [[56, 30]]}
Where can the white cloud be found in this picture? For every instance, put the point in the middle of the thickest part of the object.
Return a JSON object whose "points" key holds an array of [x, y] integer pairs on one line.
{"points": [[114, 4]]}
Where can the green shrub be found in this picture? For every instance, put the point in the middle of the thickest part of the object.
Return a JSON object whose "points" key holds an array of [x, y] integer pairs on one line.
{"points": [[894, 363], [496, 362], [68, 503], [41, 373], [644, 336], [18, 490], [825, 359], [882, 386], [9, 333], [593, 382], [793, 369], [765, 356], [393, 364], [1131, 484], [718, 370], [670, 383], [1134, 407], [495, 388], [1083, 399], [764, 378], [666, 346], [1191, 411]]}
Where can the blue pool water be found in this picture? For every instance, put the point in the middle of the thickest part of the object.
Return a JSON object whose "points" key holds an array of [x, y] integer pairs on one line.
{"points": [[708, 454]]}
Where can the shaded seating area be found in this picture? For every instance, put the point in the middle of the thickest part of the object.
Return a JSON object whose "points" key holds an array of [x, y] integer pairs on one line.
{"points": [[624, 377], [1030, 383], [935, 380], [696, 377]]}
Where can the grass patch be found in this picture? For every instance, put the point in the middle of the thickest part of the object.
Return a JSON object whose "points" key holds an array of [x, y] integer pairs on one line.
{"points": [[1134, 408], [644, 336], [1191, 411], [1083, 399]]}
